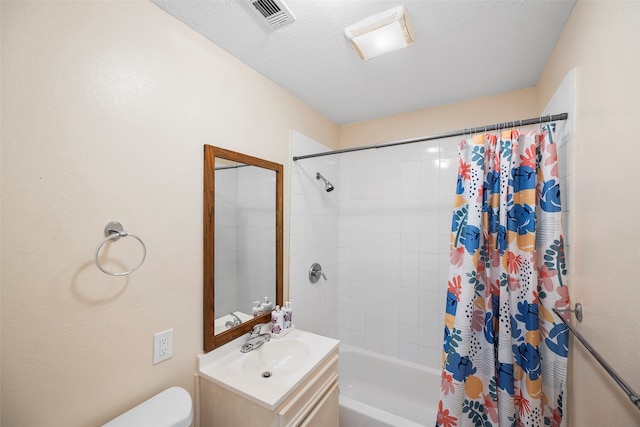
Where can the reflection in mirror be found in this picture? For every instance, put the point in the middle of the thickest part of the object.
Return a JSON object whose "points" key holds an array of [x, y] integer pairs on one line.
{"points": [[245, 250], [242, 242]]}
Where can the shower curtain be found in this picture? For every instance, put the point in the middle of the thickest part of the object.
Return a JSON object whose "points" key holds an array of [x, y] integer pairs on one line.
{"points": [[505, 355]]}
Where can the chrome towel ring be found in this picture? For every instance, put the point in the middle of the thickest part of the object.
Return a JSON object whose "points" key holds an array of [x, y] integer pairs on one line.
{"points": [[114, 231]]}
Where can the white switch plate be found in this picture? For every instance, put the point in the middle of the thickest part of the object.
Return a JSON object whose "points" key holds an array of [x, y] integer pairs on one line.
{"points": [[162, 346]]}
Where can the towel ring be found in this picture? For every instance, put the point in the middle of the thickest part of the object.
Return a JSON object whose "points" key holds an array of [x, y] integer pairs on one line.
{"points": [[114, 231]]}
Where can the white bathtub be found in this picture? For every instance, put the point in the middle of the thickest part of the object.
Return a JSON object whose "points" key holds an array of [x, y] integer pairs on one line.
{"points": [[382, 391]]}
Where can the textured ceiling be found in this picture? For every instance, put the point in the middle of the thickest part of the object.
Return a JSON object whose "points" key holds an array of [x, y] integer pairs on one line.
{"points": [[463, 50]]}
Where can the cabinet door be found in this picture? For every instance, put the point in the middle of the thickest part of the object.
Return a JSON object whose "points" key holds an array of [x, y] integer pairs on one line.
{"points": [[325, 413], [306, 398]]}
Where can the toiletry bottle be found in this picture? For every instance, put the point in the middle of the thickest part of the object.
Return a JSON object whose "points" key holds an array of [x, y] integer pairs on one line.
{"points": [[257, 309], [267, 306], [288, 313], [277, 320]]}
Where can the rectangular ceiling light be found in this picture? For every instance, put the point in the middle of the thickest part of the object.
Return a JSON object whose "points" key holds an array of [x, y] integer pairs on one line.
{"points": [[381, 33]]}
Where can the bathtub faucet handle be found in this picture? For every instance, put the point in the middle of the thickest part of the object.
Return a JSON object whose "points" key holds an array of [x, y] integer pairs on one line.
{"points": [[315, 272]]}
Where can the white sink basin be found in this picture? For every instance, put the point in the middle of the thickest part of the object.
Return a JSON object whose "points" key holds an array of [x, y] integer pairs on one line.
{"points": [[266, 375], [276, 358], [220, 326]]}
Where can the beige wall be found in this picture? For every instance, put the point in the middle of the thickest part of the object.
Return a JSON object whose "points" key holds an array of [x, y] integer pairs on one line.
{"points": [[602, 41], [432, 121], [105, 110]]}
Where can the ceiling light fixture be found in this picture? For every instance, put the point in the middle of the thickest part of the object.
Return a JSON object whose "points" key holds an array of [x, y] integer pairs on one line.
{"points": [[381, 33]]}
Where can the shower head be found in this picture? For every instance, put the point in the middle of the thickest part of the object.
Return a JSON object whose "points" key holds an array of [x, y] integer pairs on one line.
{"points": [[327, 185]]}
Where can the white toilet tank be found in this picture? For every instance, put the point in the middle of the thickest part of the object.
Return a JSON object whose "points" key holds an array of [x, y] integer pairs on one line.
{"points": [[171, 408]]}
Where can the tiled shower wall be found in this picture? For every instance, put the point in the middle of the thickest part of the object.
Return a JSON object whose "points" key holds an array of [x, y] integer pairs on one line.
{"points": [[382, 237], [313, 238], [393, 248]]}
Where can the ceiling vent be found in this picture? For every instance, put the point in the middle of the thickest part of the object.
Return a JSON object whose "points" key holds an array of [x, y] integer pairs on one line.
{"points": [[274, 12]]}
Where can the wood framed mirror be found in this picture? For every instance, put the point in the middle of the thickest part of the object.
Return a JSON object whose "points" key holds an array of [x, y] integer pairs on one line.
{"points": [[243, 246]]}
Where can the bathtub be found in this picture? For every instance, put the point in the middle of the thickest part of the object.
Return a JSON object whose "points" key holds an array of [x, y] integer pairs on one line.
{"points": [[382, 391]]}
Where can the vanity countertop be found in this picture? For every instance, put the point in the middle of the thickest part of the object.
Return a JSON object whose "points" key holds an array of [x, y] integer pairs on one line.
{"points": [[289, 360]]}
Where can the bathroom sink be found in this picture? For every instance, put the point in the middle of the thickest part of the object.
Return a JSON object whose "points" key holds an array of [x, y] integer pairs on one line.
{"points": [[219, 325], [276, 358], [269, 373]]}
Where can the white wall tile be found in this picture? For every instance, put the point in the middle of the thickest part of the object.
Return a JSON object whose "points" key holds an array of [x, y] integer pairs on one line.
{"points": [[430, 338], [390, 294], [358, 338], [391, 328], [409, 297], [409, 278], [314, 238], [409, 351], [410, 319], [374, 309], [410, 261], [391, 347], [373, 274], [374, 343], [430, 357], [393, 234]]}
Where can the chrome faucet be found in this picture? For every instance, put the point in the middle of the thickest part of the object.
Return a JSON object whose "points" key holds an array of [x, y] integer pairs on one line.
{"points": [[256, 338], [236, 321]]}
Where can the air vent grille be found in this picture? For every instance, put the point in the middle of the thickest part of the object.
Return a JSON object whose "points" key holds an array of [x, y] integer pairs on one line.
{"points": [[274, 12], [266, 7]]}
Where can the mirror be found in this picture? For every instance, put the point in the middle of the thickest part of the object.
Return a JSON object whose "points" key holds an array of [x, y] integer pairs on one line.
{"points": [[243, 252]]}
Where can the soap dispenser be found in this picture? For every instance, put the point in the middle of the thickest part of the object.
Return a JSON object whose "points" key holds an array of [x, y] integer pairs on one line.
{"points": [[257, 309], [288, 314], [267, 306], [277, 321]]}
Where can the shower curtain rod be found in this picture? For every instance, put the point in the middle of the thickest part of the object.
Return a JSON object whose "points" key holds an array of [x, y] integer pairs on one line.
{"points": [[633, 396], [505, 125]]}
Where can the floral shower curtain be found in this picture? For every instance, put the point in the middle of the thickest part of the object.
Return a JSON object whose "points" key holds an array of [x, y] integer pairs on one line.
{"points": [[505, 355]]}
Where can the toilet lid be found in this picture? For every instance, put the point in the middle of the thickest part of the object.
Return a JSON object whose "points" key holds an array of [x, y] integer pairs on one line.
{"points": [[171, 408]]}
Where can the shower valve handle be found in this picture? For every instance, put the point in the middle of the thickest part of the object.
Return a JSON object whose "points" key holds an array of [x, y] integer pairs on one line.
{"points": [[315, 272]]}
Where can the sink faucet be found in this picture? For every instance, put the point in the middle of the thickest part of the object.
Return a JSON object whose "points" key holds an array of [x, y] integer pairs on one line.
{"points": [[236, 321], [256, 338]]}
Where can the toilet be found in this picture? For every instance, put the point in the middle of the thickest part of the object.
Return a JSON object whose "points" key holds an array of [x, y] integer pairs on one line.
{"points": [[171, 408]]}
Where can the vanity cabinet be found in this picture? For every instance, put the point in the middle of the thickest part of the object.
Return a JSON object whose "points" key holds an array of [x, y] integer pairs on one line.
{"points": [[312, 403]]}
